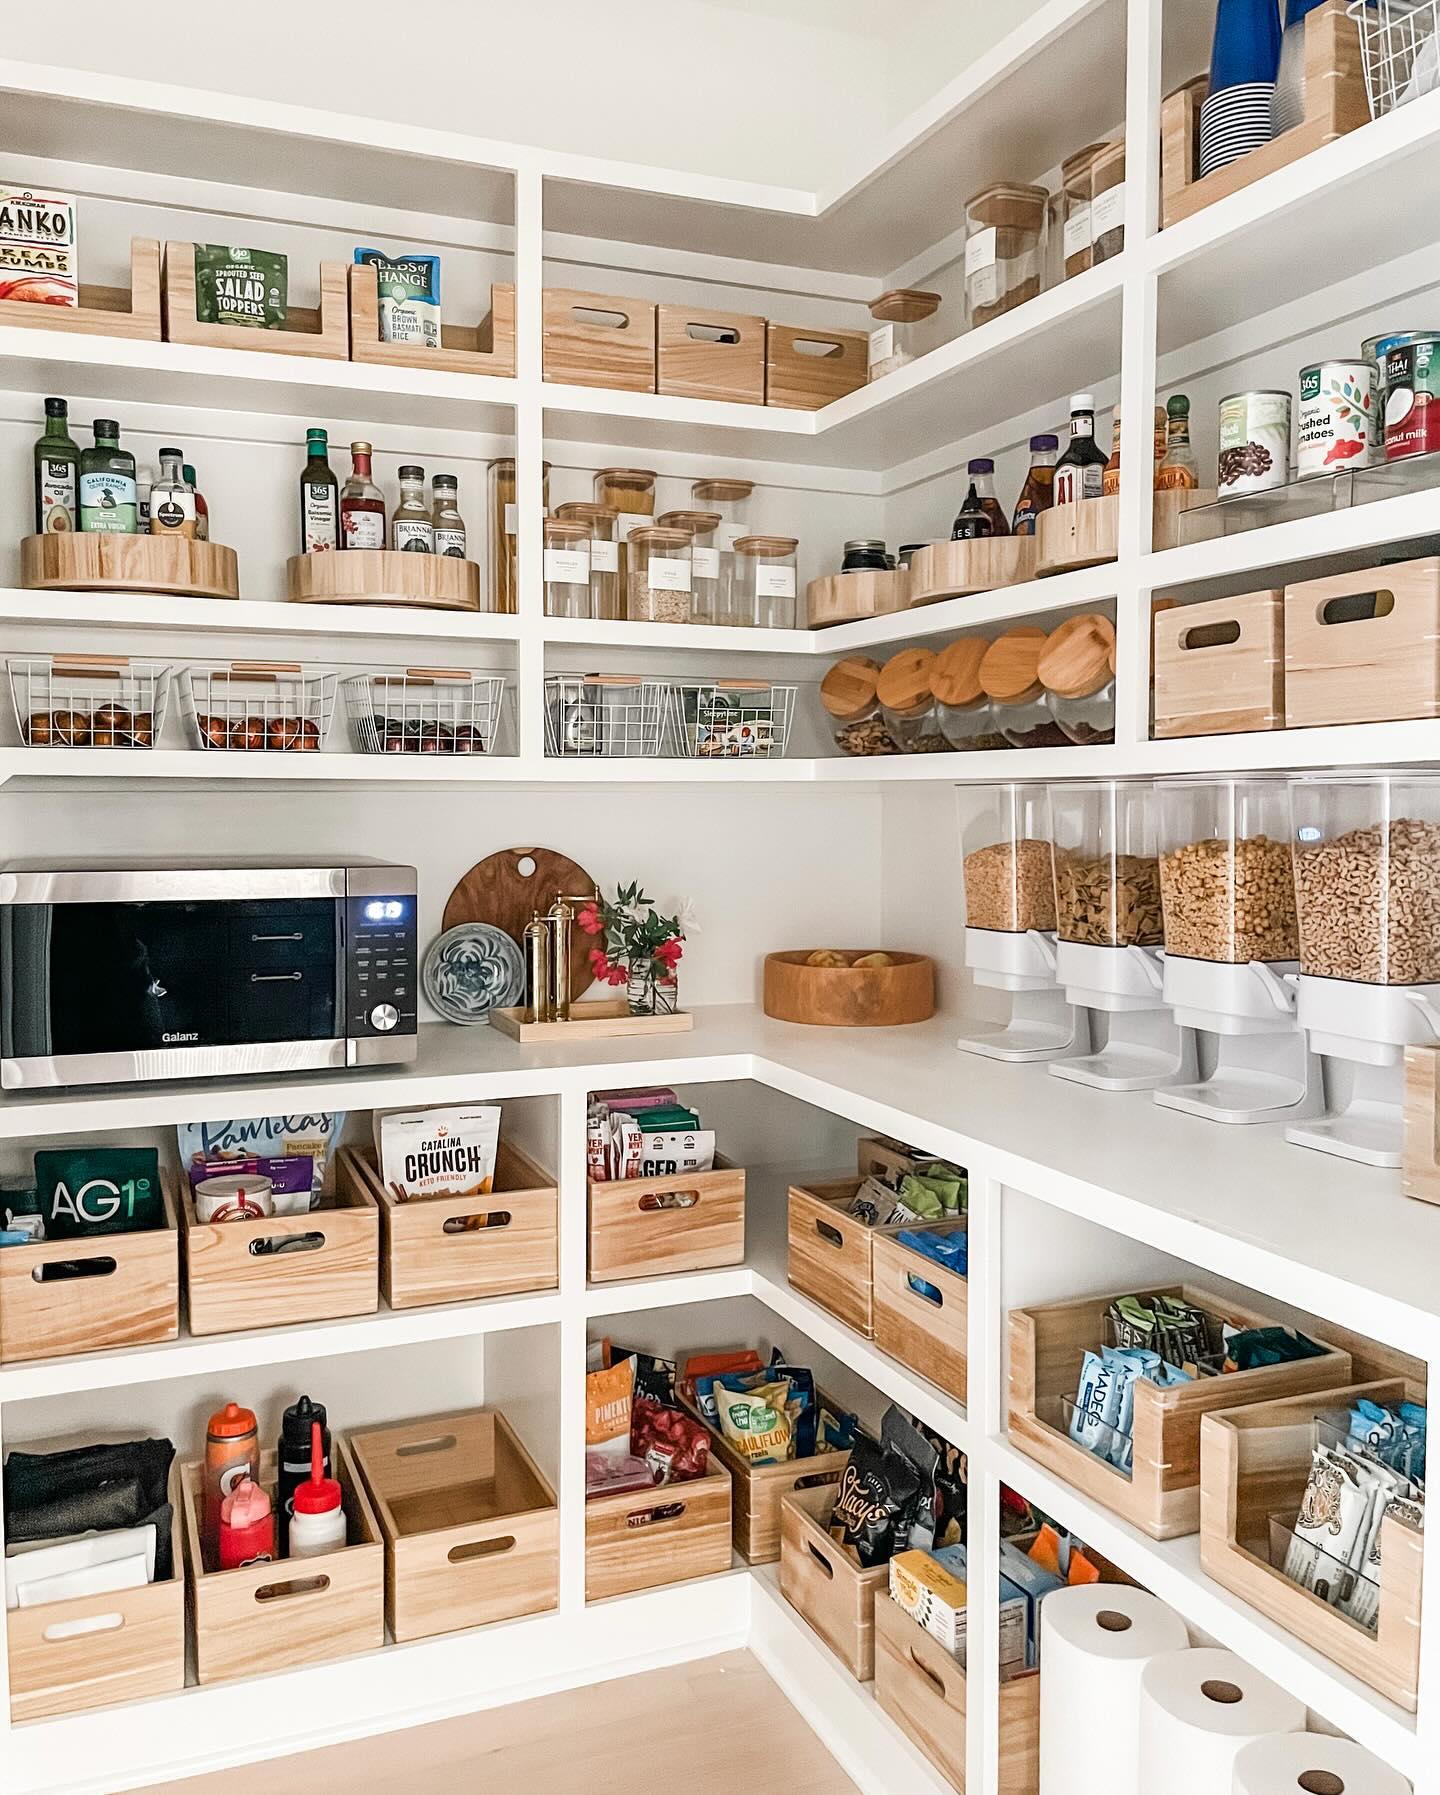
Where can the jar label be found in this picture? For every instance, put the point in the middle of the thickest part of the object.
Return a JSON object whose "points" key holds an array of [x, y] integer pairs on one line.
{"points": [[774, 581], [57, 496], [319, 518], [983, 288], [705, 563], [1107, 213], [1079, 233], [450, 542], [107, 502], [631, 521], [981, 251], [413, 538], [728, 534], [362, 529], [666, 574], [512, 512], [882, 344], [567, 567], [604, 556]]}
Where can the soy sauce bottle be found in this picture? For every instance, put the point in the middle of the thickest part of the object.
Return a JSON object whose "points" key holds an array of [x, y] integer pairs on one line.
{"points": [[973, 523]]}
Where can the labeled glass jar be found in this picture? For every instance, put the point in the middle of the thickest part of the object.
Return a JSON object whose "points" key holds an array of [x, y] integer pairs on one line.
{"points": [[765, 581], [1107, 864], [1075, 669], [1009, 869], [567, 569], [907, 701], [630, 493], [1077, 231], [602, 525], [1004, 230], [731, 500], [893, 337], [963, 709], [849, 698], [1107, 202], [1225, 878], [1010, 678], [504, 531], [659, 575], [704, 560]]}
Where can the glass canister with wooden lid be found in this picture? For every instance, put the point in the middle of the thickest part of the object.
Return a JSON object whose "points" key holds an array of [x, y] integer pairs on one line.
{"points": [[606, 596], [849, 698], [704, 559], [963, 709], [659, 575], [567, 568], [630, 493], [764, 582], [731, 499], [1076, 232], [1010, 678], [1004, 230], [505, 529], [907, 701], [893, 338], [1076, 667]]}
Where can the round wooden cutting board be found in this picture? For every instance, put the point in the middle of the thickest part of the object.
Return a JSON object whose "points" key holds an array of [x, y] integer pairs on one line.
{"points": [[507, 888]]}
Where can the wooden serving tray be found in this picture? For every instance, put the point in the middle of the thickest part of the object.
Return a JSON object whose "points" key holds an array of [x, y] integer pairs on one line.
{"points": [[596, 1021], [383, 576], [105, 562], [954, 569], [849, 996], [307, 330], [488, 348], [132, 311]]}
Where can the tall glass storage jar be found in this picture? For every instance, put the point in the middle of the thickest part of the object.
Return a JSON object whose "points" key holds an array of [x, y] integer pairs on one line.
{"points": [[1077, 231], [893, 339], [907, 701], [1004, 231], [659, 574], [849, 698], [765, 581], [606, 596], [1107, 865], [630, 492], [504, 531], [1075, 668], [1008, 865], [1010, 678], [704, 560], [962, 709], [567, 569], [1225, 880], [731, 500]]}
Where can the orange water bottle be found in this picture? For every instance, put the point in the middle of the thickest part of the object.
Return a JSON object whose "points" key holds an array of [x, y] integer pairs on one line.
{"points": [[232, 1451]]}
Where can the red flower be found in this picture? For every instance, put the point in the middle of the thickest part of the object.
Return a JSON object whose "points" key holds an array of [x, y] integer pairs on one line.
{"points": [[589, 919], [617, 975], [670, 951], [599, 963]]}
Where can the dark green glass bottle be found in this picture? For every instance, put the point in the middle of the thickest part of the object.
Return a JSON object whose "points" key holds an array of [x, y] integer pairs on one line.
{"points": [[57, 474]]}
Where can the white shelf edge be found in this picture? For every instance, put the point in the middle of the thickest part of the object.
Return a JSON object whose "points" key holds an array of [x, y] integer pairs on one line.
{"points": [[686, 638], [258, 616], [1061, 591]]}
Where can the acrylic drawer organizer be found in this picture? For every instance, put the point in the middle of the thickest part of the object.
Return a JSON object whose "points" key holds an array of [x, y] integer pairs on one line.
{"points": [[730, 719], [278, 707], [598, 339], [652, 1227], [464, 1249], [102, 561], [606, 716], [1161, 1493], [92, 1294], [322, 330], [1254, 1465], [1220, 666], [643, 1538], [282, 1614], [1363, 647], [820, 1580], [425, 710], [920, 1308], [472, 1533], [830, 1252], [88, 700]]}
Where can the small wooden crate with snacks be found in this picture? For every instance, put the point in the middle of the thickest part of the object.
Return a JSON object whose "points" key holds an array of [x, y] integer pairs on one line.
{"points": [[710, 355], [322, 330], [807, 369], [877, 1156], [599, 339], [820, 1580], [1363, 647], [1219, 666], [649, 1227], [830, 1252], [486, 348], [920, 1308], [639, 1539]]}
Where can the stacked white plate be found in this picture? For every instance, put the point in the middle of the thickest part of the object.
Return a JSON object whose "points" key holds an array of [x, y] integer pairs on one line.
{"points": [[1233, 122]]}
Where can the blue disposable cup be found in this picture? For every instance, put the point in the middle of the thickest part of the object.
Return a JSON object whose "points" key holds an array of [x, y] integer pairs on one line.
{"points": [[1246, 46]]}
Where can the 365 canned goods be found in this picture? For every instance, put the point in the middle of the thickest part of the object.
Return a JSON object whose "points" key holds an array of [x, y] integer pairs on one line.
{"points": [[1254, 443], [1339, 423], [1412, 398]]}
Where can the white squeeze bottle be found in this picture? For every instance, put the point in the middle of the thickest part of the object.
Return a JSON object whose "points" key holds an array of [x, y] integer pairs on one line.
{"points": [[318, 1523]]}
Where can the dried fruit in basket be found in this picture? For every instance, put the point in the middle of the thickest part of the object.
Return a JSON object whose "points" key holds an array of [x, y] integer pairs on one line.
{"points": [[672, 1444]]}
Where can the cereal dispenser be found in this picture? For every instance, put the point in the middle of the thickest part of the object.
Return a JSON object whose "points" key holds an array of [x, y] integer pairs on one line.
{"points": [[1010, 929], [1366, 855], [1109, 932], [1231, 948]]}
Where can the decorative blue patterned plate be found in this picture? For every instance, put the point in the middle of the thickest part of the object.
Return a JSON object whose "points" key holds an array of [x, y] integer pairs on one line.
{"points": [[471, 970]]}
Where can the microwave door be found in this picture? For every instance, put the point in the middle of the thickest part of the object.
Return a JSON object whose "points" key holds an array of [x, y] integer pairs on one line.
{"points": [[25, 1017]]}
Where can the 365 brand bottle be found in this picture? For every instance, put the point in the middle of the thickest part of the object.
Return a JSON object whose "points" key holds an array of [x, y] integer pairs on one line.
{"points": [[319, 498], [57, 474], [108, 501]]}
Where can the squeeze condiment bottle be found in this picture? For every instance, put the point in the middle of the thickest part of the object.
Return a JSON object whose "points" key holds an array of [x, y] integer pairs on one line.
{"points": [[247, 1526], [294, 1460], [232, 1451], [318, 1523]]}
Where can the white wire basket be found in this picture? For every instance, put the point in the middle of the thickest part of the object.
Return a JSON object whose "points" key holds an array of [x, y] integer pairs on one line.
{"points": [[425, 710], [1400, 47], [265, 707], [731, 719], [607, 716], [88, 700]]}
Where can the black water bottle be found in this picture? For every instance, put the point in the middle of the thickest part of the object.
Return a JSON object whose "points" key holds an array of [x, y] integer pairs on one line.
{"points": [[294, 1457]]}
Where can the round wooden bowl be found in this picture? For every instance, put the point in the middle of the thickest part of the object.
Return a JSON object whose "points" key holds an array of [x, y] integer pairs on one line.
{"points": [[849, 996]]}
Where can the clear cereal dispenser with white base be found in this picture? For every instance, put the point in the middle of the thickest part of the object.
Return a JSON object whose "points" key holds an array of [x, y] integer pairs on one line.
{"points": [[1232, 948], [1109, 933], [1366, 856], [1010, 926]]}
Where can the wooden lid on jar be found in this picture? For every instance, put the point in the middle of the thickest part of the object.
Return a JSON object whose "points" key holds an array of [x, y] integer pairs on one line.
{"points": [[848, 689], [642, 477], [653, 536], [562, 529], [699, 523], [586, 511], [721, 492], [904, 680], [903, 305], [1008, 673], [767, 545], [1009, 207], [955, 677], [506, 464], [1076, 659], [1074, 166]]}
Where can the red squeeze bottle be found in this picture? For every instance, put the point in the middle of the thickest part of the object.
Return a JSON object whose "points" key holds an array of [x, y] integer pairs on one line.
{"points": [[232, 1451], [247, 1526]]}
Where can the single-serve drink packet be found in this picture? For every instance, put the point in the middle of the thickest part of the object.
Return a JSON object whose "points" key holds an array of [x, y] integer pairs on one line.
{"points": [[439, 1152]]}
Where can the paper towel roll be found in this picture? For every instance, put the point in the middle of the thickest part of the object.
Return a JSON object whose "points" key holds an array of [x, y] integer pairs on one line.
{"points": [[1197, 1709], [1095, 1639], [1312, 1764]]}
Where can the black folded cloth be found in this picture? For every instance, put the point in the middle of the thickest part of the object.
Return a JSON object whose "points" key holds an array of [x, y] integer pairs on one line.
{"points": [[51, 1495]]}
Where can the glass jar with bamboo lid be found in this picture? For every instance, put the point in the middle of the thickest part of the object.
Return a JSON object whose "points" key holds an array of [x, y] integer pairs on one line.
{"points": [[567, 569], [504, 531], [963, 709], [1076, 668], [765, 581], [849, 697], [659, 575], [893, 341], [731, 498], [704, 559], [907, 701], [1010, 678], [629, 492], [606, 593]]}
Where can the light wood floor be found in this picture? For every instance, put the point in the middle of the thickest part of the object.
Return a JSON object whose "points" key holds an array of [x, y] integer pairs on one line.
{"points": [[706, 1728]]}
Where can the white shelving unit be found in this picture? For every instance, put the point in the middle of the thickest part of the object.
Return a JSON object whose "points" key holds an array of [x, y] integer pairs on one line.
{"points": [[1065, 1183]]}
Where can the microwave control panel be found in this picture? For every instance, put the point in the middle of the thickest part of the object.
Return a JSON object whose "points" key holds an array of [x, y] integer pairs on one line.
{"points": [[382, 979]]}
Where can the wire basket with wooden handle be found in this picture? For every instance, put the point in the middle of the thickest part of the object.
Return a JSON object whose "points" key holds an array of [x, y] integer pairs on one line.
{"points": [[605, 715], [88, 700], [1400, 48], [730, 719], [276, 707], [425, 710]]}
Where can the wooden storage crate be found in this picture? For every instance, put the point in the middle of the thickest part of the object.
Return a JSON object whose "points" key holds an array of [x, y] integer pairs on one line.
{"points": [[47, 1310], [430, 1254], [1162, 1496], [1219, 667], [651, 1227], [807, 369], [921, 1687], [486, 348], [820, 1580], [245, 1274], [758, 1490], [829, 1257], [1363, 647], [102, 561], [643, 1538], [472, 1533], [1335, 104], [845, 597], [1254, 1465], [599, 339], [956, 569], [308, 330], [132, 311], [928, 1336], [710, 355], [1080, 535], [277, 1616], [877, 1156], [93, 1651]]}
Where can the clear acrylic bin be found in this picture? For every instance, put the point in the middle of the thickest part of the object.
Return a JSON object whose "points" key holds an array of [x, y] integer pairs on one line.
{"points": [[1225, 878], [1107, 870]]}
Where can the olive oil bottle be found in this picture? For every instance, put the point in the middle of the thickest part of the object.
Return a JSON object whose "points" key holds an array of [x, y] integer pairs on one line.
{"points": [[57, 474]]}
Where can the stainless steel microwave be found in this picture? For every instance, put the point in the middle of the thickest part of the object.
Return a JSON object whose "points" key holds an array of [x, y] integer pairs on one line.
{"points": [[131, 973]]}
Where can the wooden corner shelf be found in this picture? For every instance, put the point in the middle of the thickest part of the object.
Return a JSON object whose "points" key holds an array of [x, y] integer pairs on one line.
{"points": [[132, 311], [487, 348], [102, 562], [308, 330], [383, 576]]}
